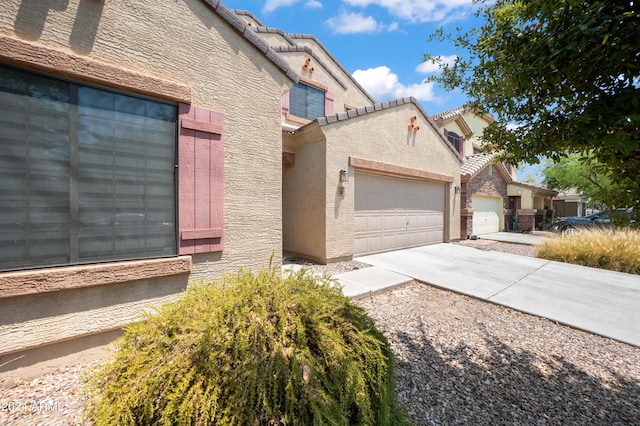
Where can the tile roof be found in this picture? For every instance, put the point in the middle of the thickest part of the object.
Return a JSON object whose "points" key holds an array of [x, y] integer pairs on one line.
{"points": [[369, 109], [449, 114], [240, 26], [293, 46], [475, 163]]}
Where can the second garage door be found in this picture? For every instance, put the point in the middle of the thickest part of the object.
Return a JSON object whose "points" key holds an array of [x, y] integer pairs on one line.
{"points": [[393, 213], [487, 212]]}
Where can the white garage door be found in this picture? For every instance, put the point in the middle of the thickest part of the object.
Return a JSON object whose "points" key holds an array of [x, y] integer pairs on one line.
{"points": [[486, 214], [393, 213]]}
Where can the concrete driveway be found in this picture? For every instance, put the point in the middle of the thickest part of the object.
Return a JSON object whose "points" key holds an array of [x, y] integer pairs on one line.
{"points": [[601, 302]]}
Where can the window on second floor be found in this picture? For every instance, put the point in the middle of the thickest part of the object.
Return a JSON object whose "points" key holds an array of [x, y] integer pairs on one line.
{"points": [[454, 139], [307, 102]]}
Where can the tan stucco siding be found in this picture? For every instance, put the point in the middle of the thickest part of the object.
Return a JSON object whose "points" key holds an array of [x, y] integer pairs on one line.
{"points": [[189, 44], [352, 95], [383, 137], [303, 201], [275, 38]]}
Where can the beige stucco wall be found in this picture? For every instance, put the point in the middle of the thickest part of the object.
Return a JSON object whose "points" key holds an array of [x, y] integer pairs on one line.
{"points": [[319, 76], [186, 43], [383, 136], [352, 95], [303, 200], [526, 196]]}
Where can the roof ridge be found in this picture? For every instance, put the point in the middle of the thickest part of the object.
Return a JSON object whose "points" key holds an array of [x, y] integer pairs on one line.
{"points": [[379, 106], [240, 26]]}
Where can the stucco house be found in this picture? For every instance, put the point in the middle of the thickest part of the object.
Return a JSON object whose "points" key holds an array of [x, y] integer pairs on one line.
{"points": [[492, 199], [359, 177], [146, 146], [141, 150]]}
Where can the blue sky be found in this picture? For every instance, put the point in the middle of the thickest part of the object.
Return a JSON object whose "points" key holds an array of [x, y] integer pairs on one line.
{"points": [[380, 42]]}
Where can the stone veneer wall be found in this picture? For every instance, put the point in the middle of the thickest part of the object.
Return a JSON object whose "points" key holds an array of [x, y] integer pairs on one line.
{"points": [[487, 182]]}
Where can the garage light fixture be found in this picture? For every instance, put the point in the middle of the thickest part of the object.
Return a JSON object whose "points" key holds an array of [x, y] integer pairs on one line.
{"points": [[344, 175], [458, 190]]}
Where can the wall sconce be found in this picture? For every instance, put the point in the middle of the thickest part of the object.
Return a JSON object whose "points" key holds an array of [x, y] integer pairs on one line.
{"points": [[344, 176], [457, 190]]}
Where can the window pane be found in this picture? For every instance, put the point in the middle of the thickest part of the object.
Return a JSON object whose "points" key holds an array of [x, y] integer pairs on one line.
{"points": [[34, 170], [126, 184], [298, 100], [315, 103], [306, 101], [88, 175]]}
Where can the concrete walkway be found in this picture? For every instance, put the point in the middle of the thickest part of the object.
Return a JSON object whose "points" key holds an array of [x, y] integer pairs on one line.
{"points": [[601, 302]]}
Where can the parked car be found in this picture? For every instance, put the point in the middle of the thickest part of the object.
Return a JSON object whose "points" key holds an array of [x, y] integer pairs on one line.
{"points": [[567, 225]]}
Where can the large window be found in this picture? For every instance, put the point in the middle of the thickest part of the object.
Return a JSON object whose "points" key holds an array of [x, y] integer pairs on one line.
{"points": [[306, 101], [87, 174]]}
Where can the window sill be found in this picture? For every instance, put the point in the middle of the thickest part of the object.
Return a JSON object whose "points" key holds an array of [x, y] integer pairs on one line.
{"points": [[23, 283]]}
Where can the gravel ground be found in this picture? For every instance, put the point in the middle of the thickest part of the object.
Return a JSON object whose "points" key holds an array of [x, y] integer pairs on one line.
{"points": [[460, 361]]}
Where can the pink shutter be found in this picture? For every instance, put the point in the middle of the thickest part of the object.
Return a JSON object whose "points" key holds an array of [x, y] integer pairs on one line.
{"points": [[200, 180], [328, 103], [461, 146], [446, 134], [285, 103]]}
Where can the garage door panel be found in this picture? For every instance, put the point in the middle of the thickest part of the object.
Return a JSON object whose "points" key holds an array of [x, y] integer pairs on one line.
{"points": [[487, 212], [393, 213], [361, 224]]}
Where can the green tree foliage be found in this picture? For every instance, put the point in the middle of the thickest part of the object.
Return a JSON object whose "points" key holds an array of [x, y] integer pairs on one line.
{"points": [[575, 172], [251, 349], [560, 76]]}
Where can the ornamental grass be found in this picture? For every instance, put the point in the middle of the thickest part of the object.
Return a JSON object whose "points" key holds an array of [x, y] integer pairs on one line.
{"points": [[250, 349], [612, 249]]}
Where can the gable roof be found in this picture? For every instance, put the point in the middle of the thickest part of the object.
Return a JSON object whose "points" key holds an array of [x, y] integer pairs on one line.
{"points": [[240, 26], [474, 164], [457, 115], [449, 114], [293, 46], [371, 109], [537, 190]]}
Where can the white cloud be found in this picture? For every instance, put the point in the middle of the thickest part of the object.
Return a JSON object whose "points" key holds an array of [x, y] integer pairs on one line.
{"points": [[313, 4], [383, 85], [420, 10], [351, 23], [272, 5], [429, 67]]}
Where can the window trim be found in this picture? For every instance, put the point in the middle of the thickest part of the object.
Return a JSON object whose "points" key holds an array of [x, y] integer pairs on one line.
{"points": [[46, 280], [82, 69], [73, 151]]}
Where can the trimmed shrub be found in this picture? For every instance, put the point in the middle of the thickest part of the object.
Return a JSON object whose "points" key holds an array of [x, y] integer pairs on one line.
{"points": [[612, 249], [250, 349]]}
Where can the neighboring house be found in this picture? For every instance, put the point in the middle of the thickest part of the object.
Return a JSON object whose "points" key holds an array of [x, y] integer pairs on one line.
{"points": [[492, 199], [358, 177], [569, 203], [141, 150]]}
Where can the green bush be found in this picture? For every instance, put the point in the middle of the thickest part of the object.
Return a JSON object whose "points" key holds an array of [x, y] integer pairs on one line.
{"points": [[612, 249], [250, 349]]}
